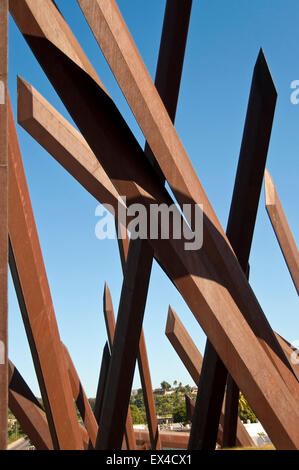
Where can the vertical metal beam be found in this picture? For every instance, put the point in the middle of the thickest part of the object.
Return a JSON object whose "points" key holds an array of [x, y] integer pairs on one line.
{"points": [[282, 230], [28, 411], [81, 399], [240, 228], [3, 222], [32, 288]]}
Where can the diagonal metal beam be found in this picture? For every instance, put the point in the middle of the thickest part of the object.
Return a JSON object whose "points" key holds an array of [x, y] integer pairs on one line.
{"points": [[123, 358], [28, 410], [33, 292], [102, 382], [110, 327], [125, 62], [3, 222], [190, 407], [282, 230], [240, 228], [193, 361], [81, 399], [230, 320], [142, 359], [168, 78]]}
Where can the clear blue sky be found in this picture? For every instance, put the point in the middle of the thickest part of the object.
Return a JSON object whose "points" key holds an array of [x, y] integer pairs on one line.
{"points": [[224, 42]]}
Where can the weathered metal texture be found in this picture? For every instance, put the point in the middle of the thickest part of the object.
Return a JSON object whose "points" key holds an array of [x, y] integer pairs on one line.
{"points": [[240, 228], [220, 316], [142, 359], [148, 396], [190, 407], [168, 80], [169, 439], [81, 399], [183, 345], [231, 411], [122, 55], [3, 221], [168, 77], [110, 327], [62, 140], [102, 382], [192, 359], [282, 229], [28, 411], [36, 305], [124, 351]]}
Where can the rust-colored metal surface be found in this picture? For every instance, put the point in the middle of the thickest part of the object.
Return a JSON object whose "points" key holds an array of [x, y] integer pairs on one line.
{"points": [[36, 305], [81, 399], [240, 228], [3, 221], [193, 361], [183, 345], [282, 230], [190, 408], [110, 327], [219, 311], [213, 280], [118, 47], [28, 411], [142, 359], [169, 439]]}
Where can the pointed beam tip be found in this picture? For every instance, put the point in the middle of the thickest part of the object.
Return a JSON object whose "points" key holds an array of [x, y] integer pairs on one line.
{"points": [[262, 70]]}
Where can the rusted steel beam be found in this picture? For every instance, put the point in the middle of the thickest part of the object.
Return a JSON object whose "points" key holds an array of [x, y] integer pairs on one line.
{"points": [[240, 228], [32, 288], [81, 399], [282, 230], [192, 360], [102, 382], [3, 222], [123, 356], [122, 55], [110, 327], [28, 410], [142, 359], [190, 407], [65, 144], [222, 311], [168, 78], [169, 439], [183, 345]]}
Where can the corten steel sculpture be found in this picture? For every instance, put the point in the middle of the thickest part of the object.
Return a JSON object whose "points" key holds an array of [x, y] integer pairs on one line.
{"points": [[108, 161], [3, 222], [282, 229]]}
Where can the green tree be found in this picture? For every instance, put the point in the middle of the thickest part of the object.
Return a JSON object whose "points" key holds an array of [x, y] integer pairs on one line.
{"points": [[136, 415], [180, 414], [245, 411], [165, 385]]}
